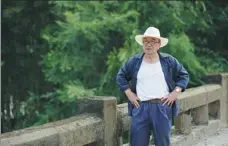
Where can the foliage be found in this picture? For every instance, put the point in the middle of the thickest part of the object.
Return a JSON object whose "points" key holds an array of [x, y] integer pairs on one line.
{"points": [[22, 48], [183, 49]]}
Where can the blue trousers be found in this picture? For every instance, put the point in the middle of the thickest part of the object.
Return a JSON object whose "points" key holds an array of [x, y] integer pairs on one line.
{"points": [[149, 117]]}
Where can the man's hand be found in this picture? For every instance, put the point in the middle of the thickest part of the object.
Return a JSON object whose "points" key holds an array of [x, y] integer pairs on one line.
{"points": [[132, 97], [170, 98]]}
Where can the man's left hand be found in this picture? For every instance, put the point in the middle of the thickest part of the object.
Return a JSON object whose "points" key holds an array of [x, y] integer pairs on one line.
{"points": [[170, 98]]}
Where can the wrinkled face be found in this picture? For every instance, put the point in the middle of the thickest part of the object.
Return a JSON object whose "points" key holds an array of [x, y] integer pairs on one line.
{"points": [[151, 45]]}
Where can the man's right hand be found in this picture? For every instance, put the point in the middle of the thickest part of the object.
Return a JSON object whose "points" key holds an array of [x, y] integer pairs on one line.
{"points": [[132, 97]]}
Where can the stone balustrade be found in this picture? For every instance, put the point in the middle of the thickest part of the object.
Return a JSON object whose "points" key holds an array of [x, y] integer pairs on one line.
{"points": [[203, 110]]}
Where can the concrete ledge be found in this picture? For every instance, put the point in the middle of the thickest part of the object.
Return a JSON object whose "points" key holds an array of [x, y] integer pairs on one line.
{"points": [[81, 130], [106, 108], [199, 96]]}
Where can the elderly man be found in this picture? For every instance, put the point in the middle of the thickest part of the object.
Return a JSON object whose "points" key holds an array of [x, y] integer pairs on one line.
{"points": [[156, 81]]}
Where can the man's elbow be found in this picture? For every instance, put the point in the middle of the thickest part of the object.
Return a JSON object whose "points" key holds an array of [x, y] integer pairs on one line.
{"points": [[183, 82], [121, 82]]}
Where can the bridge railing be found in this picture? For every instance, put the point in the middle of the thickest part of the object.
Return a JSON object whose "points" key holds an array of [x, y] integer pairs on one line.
{"points": [[103, 122]]}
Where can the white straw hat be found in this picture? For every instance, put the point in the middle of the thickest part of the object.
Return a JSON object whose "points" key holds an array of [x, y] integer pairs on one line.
{"points": [[151, 32]]}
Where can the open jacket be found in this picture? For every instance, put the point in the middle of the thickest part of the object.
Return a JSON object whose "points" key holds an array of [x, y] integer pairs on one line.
{"points": [[174, 72]]}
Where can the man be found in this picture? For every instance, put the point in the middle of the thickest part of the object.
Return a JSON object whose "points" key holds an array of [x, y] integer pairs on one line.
{"points": [[156, 81]]}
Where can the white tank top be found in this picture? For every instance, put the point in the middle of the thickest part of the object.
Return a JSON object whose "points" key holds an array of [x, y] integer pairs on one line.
{"points": [[151, 81]]}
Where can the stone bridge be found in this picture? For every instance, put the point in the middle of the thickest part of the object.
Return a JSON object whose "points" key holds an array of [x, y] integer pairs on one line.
{"points": [[203, 120]]}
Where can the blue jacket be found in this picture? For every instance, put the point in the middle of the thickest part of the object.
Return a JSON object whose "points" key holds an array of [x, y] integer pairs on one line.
{"points": [[174, 72]]}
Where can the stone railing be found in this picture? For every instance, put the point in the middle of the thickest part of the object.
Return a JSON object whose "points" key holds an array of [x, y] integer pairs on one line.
{"points": [[203, 110]]}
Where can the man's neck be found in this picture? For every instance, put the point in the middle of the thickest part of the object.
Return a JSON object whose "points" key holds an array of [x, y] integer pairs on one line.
{"points": [[151, 58]]}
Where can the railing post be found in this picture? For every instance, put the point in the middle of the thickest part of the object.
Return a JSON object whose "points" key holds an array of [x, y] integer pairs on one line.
{"points": [[120, 141], [200, 115], [224, 100], [214, 110], [223, 80], [119, 129], [106, 107], [183, 123]]}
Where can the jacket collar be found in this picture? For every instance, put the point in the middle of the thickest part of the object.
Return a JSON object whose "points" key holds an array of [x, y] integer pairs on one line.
{"points": [[161, 55]]}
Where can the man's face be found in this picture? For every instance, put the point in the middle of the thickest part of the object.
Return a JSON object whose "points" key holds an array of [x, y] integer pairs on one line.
{"points": [[151, 45]]}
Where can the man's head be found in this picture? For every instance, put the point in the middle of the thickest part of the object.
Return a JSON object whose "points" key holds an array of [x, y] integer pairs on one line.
{"points": [[151, 45], [151, 40]]}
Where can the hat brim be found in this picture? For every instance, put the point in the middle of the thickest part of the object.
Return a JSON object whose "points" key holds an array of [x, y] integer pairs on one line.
{"points": [[139, 40]]}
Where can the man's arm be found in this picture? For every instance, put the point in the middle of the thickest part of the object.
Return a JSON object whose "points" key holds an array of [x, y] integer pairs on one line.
{"points": [[123, 77], [181, 79], [181, 76]]}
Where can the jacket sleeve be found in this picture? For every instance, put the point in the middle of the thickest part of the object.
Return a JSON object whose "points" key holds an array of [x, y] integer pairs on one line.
{"points": [[123, 76], [181, 76]]}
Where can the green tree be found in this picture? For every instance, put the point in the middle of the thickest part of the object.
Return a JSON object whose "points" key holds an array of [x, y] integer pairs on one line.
{"points": [[22, 47]]}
